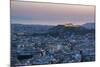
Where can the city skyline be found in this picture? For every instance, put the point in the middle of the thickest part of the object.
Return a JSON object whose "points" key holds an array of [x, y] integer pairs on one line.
{"points": [[50, 14]]}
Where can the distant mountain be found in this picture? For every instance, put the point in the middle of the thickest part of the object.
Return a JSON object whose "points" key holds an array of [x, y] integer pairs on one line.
{"points": [[89, 25], [62, 30], [59, 30], [29, 28]]}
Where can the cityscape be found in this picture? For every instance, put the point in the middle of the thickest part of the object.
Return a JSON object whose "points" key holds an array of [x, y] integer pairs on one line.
{"points": [[47, 33], [51, 44]]}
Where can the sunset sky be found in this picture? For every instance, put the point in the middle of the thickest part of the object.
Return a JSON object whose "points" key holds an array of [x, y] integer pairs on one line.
{"points": [[50, 14]]}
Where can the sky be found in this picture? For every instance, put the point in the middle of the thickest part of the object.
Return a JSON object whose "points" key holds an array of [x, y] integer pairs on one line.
{"points": [[51, 14]]}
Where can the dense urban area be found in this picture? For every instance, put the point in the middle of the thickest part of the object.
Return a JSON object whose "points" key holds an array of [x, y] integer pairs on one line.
{"points": [[44, 44]]}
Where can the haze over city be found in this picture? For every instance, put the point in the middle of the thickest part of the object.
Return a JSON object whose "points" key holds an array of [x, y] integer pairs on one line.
{"points": [[50, 14]]}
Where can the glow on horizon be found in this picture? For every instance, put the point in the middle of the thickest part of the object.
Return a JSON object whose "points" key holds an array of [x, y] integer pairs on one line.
{"points": [[50, 14]]}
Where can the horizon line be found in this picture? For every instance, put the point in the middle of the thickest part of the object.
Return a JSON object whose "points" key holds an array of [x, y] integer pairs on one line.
{"points": [[49, 24]]}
